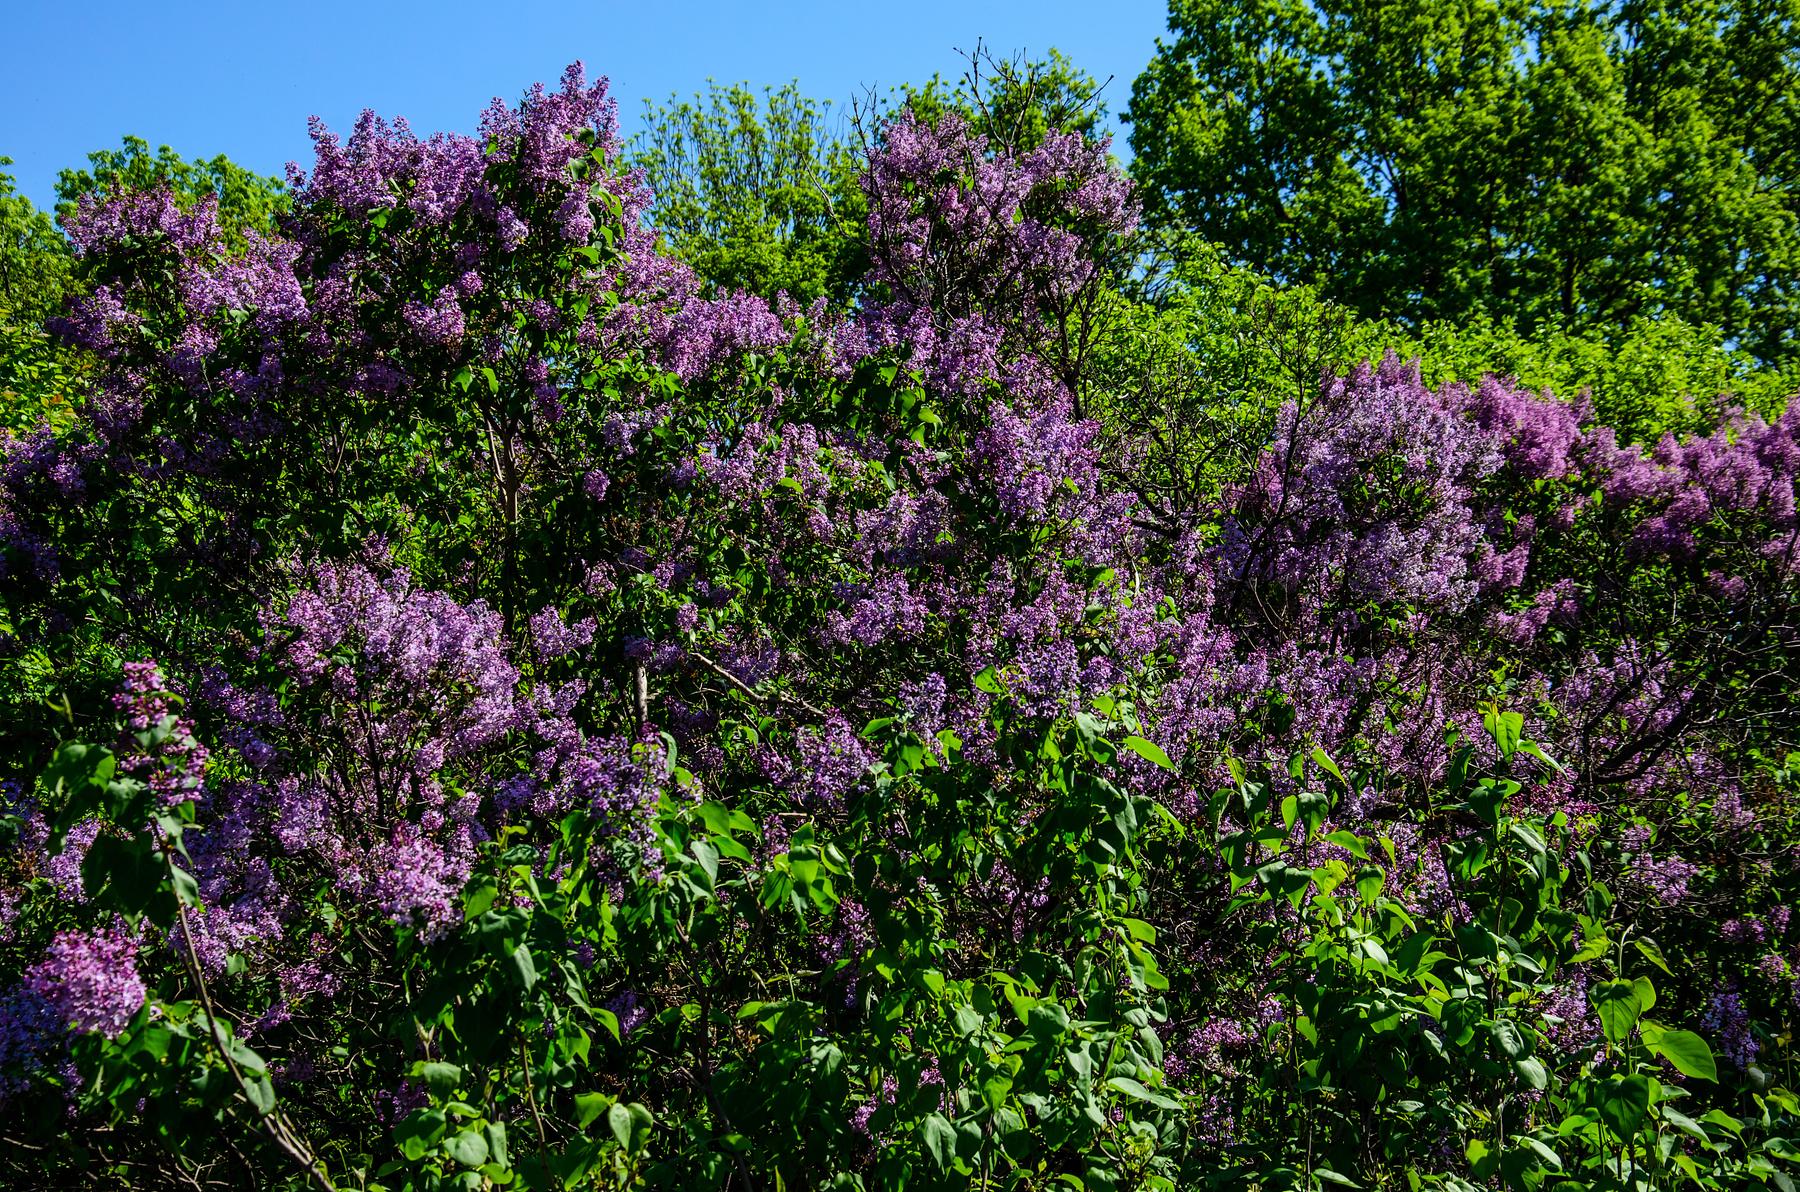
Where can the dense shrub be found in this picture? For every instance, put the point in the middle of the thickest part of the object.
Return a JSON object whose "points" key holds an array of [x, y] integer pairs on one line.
{"points": [[485, 710]]}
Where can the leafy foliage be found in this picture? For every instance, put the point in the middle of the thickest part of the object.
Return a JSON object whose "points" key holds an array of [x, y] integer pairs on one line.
{"points": [[34, 263], [608, 730], [246, 201], [755, 195], [1565, 167]]}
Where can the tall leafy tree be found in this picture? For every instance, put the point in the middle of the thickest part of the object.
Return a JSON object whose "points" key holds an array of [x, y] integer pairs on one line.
{"points": [[756, 192], [35, 277], [34, 261], [1577, 164]]}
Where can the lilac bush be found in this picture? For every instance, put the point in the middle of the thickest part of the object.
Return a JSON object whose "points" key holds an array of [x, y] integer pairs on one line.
{"points": [[603, 733]]}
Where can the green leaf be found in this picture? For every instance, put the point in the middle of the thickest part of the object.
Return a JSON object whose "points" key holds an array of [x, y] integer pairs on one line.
{"points": [[261, 1094], [1718, 1117], [589, 1106], [1687, 1051], [618, 1120], [1149, 751], [1623, 1101], [479, 896], [1136, 1090], [1653, 954], [1535, 750], [419, 1131], [442, 1079], [1505, 728], [186, 888], [1513, 1042], [523, 968], [1324, 762], [708, 857], [1619, 1007], [1685, 1124], [469, 1148], [496, 1140], [940, 1140]]}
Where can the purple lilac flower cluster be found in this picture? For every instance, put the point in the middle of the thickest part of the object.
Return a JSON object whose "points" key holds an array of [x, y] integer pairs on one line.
{"points": [[85, 983], [158, 746]]}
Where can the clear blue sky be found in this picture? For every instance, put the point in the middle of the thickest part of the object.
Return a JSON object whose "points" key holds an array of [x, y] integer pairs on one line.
{"points": [[241, 79]]}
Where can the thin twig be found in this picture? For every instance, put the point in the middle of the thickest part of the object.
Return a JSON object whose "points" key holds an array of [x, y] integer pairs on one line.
{"points": [[752, 693], [537, 1118], [280, 1129]]}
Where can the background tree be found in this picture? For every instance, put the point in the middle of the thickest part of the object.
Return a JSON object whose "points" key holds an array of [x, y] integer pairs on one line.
{"points": [[35, 275], [34, 261], [247, 201], [1017, 101], [1577, 165], [756, 193]]}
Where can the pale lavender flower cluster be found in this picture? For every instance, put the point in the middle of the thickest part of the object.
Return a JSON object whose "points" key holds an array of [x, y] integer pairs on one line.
{"points": [[629, 1009], [89, 980], [1557, 603], [1665, 879], [1371, 487], [1022, 229], [437, 669], [1570, 1021], [1037, 456], [553, 638], [865, 1110], [418, 881]]}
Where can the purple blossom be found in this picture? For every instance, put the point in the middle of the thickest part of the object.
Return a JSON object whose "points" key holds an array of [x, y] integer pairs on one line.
{"points": [[1726, 1018], [88, 982], [158, 745], [630, 1010], [554, 639]]}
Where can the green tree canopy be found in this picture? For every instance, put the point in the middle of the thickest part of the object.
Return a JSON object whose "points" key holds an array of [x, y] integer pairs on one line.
{"points": [[1550, 163], [1016, 101], [246, 200], [754, 191], [34, 261], [760, 191]]}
